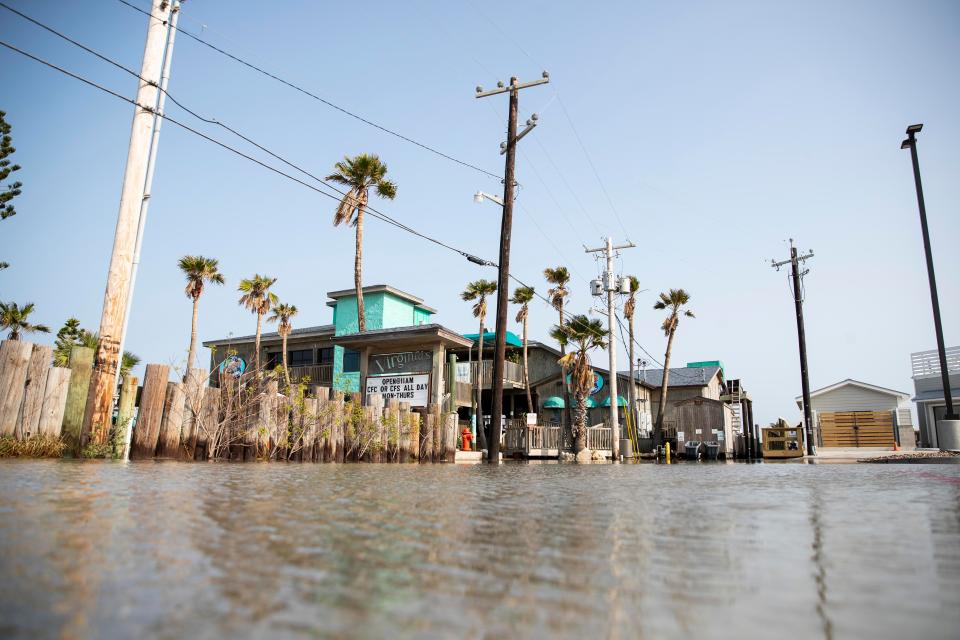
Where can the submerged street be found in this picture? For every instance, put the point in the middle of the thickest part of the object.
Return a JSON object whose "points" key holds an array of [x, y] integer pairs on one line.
{"points": [[148, 550]]}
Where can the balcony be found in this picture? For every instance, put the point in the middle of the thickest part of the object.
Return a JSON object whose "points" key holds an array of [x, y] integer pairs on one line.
{"points": [[927, 363], [512, 373], [321, 374]]}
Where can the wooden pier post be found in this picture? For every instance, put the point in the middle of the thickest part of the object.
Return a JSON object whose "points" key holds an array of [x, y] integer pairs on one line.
{"points": [[450, 437], [338, 442], [208, 423], [168, 444], [14, 362], [81, 366], [193, 403], [152, 399], [127, 403], [54, 402], [36, 383], [403, 424]]}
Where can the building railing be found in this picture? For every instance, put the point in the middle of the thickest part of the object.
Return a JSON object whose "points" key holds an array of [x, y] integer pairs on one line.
{"points": [[599, 438], [927, 363], [321, 374], [466, 372]]}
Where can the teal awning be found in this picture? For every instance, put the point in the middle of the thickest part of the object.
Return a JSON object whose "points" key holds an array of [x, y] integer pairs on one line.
{"points": [[489, 336], [620, 402], [553, 402]]}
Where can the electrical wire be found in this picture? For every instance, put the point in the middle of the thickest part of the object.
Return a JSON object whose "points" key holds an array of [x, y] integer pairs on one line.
{"points": [[312, 95]]}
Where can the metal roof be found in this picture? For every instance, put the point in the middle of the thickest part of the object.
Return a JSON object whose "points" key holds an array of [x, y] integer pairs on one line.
{"points": [[303, 332], [679, 376]]}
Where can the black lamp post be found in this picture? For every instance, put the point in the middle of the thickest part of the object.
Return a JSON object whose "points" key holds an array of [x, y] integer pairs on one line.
{"points": [[911, 143]]}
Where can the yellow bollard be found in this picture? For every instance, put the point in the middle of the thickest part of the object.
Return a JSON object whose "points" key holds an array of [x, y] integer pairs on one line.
{"points": [[668, 453]]}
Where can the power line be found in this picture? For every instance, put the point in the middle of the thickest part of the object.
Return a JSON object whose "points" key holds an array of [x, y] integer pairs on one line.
{"points": [[315, 96]]}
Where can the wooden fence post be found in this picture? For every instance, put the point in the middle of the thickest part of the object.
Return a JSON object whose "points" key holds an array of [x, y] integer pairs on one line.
{"points": [[193, 403], [152, 398], [81, 366], [337, 443], [54, 402], [173, 409], [426, 437], [36, 383], [208, 423], [403, 424], [14, 362], [437, 453], [128, 402], [268, 418], [322, 453], [450, 438]]}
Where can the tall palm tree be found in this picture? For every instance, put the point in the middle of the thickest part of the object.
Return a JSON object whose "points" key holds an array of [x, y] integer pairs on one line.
{"points": [[629, 308], [522, 296], [584, 335], [17, 320], [359, 174], [559, 277], [198, 270], [282, 314], [673, 301], [477, 292], [258, 299]]}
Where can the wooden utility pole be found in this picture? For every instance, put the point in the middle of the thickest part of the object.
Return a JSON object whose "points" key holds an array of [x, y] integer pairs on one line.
{"points": [[503, 274], [612, 286], [796, 275], [96, 422]]}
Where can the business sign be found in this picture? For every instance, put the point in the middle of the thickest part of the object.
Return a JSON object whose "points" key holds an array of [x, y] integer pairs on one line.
{"points": [[414, 389], [597, 382], [382, 364], [233, 366]]}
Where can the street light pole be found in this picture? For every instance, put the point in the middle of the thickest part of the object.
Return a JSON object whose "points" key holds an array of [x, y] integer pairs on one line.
{"points": [[911, 143], [503, 273]]}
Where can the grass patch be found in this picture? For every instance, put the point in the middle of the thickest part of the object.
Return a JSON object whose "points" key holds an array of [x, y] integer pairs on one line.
{"points": [[33, 447]]}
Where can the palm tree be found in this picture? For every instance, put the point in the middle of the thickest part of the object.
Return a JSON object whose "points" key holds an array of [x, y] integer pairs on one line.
{"points": [[477, 292], [585, 335], [559, 277], [258, 299], [358, 174], [198, 270], [17, 320], [282, 314], [522, 296], [673, 301], [629, 308]]}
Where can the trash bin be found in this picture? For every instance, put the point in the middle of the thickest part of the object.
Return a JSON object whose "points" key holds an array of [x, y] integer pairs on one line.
{"points": [[692, 449], [712, 450], [626, 448]]}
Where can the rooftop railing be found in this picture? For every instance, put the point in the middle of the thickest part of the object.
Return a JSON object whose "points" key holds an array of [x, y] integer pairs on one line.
{"points": [[927, 363]]}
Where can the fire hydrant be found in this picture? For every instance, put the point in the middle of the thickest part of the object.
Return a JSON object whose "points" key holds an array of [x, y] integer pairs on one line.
{"points": [[467, 436]]}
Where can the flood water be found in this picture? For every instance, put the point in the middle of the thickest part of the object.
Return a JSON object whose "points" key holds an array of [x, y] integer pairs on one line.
{"points": [[173, 550]]}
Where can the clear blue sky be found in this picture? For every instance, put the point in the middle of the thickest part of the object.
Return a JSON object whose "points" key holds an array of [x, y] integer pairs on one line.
{"points": [[719, 130]]}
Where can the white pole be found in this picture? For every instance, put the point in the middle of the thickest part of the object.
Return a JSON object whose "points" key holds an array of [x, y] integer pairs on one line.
{"points": [[148, 186], [611, 286]]}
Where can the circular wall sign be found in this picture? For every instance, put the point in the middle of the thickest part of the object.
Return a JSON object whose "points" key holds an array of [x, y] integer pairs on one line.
{"points": [[597, 382], [233, 366]]}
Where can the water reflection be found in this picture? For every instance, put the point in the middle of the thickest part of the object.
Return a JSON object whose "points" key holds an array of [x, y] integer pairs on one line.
{"points": [[651, 551]]}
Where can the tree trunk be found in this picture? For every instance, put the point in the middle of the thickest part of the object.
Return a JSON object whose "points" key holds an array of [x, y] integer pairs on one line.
{"points": [[567, 415], [481, 430], [580, 422], [357, 280], [256, 345], [192, 352], [526, 372], [664, 383], [286, 370]]}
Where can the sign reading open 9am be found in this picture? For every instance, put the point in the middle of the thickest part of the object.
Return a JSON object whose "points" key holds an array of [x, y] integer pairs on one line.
{"points": [[414, 389]]}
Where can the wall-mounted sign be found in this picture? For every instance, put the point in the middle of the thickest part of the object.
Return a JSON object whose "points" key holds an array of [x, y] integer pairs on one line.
{"points": [[414, 389], [597, 382], [406, 362], [233, 366]]}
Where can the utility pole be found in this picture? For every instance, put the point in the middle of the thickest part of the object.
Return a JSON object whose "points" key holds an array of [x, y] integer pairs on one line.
{"points": [[911, 143], [503, 275], [612, 286], [96, 421], [796, 275], [145, 202]]}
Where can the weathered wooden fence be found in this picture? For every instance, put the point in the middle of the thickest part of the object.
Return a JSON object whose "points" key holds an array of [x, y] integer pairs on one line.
{"points": [[33, 395]]}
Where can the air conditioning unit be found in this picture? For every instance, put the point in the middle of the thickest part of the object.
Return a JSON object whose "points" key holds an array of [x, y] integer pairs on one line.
{"points": [[596, 287]]}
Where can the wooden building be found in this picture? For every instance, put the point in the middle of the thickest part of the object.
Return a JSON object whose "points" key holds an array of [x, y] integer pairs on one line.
{"points": [[851, 413], [705, 420]]}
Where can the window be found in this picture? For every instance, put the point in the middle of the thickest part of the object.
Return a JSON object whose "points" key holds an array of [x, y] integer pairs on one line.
{"points": [[351, 361], [274, 360], [300, 358], [325, 355]]}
